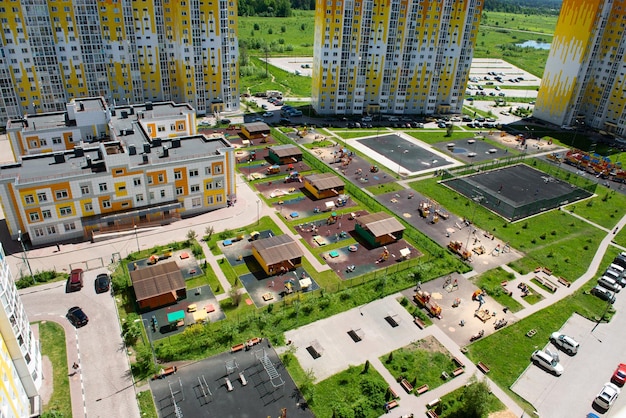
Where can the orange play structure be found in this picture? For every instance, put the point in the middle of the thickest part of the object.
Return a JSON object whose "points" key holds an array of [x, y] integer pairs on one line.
{"points": [[596, 164], [457, 248], [423, 299]]}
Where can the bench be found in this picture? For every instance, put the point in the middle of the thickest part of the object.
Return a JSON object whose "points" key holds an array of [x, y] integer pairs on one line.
{"points": [[355, 337], [432, 404], [506, 289], [531, 333], [458, 371], [406, 385], [422, 389], [237, 347], [544, 270], [482, 367], [393, 393], [243, 379], [431, 414], [547, 283], [391, 404], [458, 362], [564, 281], [165, 372], [229, 385], [253, 341], [421, 324]]}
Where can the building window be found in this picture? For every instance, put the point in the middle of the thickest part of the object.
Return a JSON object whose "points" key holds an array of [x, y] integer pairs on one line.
{"points": [[84, 189], [160, 178], [56, 140], [34, 216], [151, 195], [103, 187], [218, 168], [193, 173], [137, 181], [88, 207], [178, 175], [219, 198], [29, 199], [119, 172], [194, 188], [150, 181], [179, 191], [106, 203], [42, 197], [196, 201], [121, 188], [38, 232], [46, 214], [139, 197], [162, 193], [209, 200], [65, 211], [69, 227], [61, 194], [207, 170], [51, 230]]}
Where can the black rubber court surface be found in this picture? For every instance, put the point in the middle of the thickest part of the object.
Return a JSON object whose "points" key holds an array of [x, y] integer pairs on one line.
{"points": [[517, 191], [199, 389], [409, 156]]}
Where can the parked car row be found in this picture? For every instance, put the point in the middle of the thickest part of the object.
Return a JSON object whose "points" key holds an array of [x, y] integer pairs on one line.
{"points": [[612, 281]]}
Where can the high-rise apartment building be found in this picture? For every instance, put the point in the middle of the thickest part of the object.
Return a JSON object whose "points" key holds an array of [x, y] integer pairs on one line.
{"points": [[585, 75], [20, 356], [393, 56], [128, 51]]}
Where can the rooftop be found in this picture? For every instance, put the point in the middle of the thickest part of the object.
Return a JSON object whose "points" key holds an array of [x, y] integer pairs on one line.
{"points": [[156, 280], [54, 120], [277, 248], [380, 223], [286, 150], [324, 181]]}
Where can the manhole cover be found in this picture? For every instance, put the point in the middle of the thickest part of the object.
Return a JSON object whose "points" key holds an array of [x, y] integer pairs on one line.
{"points": [[406, 215]]}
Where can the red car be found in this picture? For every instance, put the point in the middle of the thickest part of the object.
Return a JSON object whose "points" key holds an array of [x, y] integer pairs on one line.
{"points": [[619, 376]]}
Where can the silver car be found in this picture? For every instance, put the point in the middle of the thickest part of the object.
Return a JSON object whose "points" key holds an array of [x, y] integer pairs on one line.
{"points": [[565, 343], [607, 396]]}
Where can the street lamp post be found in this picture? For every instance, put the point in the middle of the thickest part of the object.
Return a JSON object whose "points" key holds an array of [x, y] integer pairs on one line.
{"points": [[24, 255], [477, 199], [149, 339], [137, 238], [258, 212]]}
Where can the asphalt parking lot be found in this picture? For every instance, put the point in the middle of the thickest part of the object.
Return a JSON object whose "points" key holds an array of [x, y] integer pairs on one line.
{"points": [[102, 387], [572, 393]]}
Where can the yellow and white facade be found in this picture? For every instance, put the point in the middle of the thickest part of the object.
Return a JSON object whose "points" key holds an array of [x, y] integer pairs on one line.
{"points": [[20, 355], [585, 75], [130, 51], [392, 56], [152, 168]]}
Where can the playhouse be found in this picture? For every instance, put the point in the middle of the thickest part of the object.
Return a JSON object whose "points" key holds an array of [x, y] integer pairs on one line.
{"points": [[285, 154], [277, 254], [324, 185], [379, 229], [255, 130]]}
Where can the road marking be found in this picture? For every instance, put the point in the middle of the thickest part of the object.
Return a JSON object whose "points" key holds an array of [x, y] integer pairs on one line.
{"points": [[80, 371]]}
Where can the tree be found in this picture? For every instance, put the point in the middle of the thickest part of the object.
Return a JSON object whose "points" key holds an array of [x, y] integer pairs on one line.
{"points": [[191, 235], [208, 231], [475, 399]]}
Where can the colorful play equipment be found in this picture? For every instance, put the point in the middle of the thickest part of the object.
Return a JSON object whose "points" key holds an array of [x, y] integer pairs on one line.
{"points": [[383, 256], [424, 208], [293, 176], [332, 219], [457, 248], [374, 169], [273, 169], [423, 299], [596, 164]]}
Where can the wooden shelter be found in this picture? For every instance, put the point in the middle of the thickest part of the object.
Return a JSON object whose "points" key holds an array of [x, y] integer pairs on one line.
{"points": [[255, 130], [324, 185], [277, 254], [158, 285], [379, 229], [285, 154]]}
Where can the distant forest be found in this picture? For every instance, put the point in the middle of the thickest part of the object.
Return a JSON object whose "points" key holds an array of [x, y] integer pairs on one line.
{"points": [[283, 8]]}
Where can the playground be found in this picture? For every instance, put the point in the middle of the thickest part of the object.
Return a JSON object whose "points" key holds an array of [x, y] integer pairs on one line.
{"points": [[248, 382], [268, 290], [302, 207], [517, 191]]}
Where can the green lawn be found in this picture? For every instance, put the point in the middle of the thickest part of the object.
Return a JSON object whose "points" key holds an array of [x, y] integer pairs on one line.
{"points": [[290, 36], [254, 78], [433, 137], [605, 209], [384, 188], [146, 405], [52, 340], [420, 363], [352, 390]]}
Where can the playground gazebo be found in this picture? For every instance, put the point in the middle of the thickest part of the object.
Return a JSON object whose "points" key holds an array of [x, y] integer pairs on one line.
{"points": [[379, 229], [158, 285], [285, 154], [324, 185], [277, 254], [255, 130]]}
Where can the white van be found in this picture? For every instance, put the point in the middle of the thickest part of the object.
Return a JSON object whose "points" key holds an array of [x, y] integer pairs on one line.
{"points": [[612, 274], [609, 284], [617, 268]]}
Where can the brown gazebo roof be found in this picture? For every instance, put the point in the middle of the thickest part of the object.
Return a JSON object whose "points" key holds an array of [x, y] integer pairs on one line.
{"points": [[276, 249], [255, 127], [157, 280], [286, 150], [324, 181], [380, 224]]}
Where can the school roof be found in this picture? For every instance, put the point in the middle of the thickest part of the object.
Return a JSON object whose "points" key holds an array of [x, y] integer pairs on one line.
{"points": [[324, 181], [278, 248], [380, 223], [156, 280], [285, 150]]}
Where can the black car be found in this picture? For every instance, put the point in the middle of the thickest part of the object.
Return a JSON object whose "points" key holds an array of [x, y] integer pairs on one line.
{"points": [[103, 283], [603, 294], [285, 121], [77, 317]]}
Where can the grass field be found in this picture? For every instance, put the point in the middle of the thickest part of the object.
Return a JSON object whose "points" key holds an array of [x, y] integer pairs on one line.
{"points": [[52, 339]]}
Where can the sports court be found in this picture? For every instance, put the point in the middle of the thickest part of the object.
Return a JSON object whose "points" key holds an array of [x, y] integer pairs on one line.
{"points": [[518, 191], [403, 154]]}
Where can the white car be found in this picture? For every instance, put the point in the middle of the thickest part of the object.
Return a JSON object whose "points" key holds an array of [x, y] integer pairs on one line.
{"points": [[366, 119], [607, 396], [268, 114], [565, 343], [548, 361]]}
